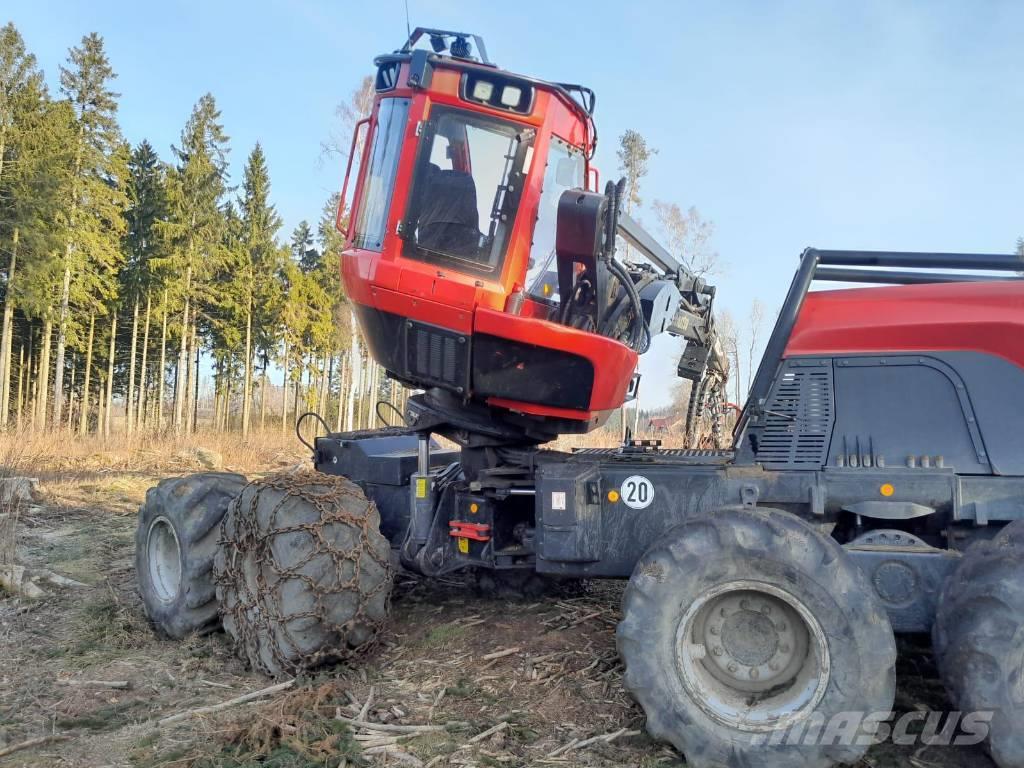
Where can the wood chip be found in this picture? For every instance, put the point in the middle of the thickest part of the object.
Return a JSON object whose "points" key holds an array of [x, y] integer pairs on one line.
{"points": [[501, 654], [28, 744], [263, 692], [386, 728], [120, 685], [489, 732]]}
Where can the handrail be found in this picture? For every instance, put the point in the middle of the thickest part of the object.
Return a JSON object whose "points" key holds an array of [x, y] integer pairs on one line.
{"points": [[348, 171]]}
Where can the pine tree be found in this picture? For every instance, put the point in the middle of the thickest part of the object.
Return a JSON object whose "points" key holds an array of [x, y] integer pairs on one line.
{"points": [[260, 224], [195, 226], [147, 207], [92, 250]]}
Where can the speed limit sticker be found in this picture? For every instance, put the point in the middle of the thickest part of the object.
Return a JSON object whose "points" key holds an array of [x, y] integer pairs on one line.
{"points": [[637, 491]]}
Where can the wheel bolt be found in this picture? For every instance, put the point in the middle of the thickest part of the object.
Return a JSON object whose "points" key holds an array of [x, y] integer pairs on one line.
{"points": [[744, 604], [784, 648], [781, 626], [718, 650], [773, 666], [754, 674], [766, 609], [713, 630], [732, 667], [723, 613]]}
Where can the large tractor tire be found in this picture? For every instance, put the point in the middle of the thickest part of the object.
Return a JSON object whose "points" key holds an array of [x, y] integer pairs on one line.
{"points": [[175, 544], [304, 575], [744, 632], [978, 640]]}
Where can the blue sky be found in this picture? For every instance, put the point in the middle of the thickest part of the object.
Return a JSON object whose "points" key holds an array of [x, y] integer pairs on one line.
{"points": [[836, 124]]}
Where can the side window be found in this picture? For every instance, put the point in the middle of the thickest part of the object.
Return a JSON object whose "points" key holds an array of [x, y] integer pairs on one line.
{"points": [[564, 171], [379, 182]]}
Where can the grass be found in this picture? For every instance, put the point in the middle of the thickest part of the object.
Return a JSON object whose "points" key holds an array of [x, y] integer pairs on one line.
{"points": [[105, 626], [54, 452]]}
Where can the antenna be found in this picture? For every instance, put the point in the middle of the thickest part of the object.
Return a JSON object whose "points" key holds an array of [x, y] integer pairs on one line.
{"points": [[408, 27]]}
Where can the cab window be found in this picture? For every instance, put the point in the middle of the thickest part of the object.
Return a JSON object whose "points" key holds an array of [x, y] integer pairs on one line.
{"points": [[466, 188], [564, 170]]}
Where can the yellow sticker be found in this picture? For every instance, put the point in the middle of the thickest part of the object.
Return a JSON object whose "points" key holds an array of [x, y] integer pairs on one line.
{"points": [[421, 487], [464, 546]]}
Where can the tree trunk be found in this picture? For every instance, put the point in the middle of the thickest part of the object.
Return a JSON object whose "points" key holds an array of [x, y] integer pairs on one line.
{"points": [[62, 333], [31, 379], [6, 336], [298, 392], [325, 394], [101, 408], [284, 391], [108, 414], [21, 385], [263, 399], [83, 415], [43, 378], [193, 420], [141, 401], [180, 387], [354, 366], [247, 384], [341, 392], [129, 410], [71, 393], [162, 376]]}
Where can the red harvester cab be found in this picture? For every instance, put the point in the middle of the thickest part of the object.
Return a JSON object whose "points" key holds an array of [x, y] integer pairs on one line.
{"points": [[450, 256]]}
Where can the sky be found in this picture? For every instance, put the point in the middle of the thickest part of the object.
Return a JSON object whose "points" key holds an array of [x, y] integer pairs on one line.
{"points": [[837, 124]]}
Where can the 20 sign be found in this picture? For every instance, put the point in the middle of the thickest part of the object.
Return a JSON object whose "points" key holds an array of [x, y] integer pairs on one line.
{"points": [[637, 492]]}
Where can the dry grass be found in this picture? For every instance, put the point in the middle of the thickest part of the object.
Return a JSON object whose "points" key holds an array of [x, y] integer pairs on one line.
{"points": [[52, 452]]}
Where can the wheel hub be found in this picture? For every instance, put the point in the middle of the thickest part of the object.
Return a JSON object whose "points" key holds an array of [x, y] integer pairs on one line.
{"points": [[753, 655], [755, 640], [164, 557]]}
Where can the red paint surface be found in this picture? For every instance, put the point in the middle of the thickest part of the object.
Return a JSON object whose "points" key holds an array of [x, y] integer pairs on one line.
{"points": [[948, 317]]}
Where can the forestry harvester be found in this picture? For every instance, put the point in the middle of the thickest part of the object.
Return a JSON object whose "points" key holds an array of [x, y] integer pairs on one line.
{"points": [[874, 483]]}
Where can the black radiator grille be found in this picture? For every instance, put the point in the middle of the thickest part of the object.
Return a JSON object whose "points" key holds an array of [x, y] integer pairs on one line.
{"points": [[798, 419], [437, 355]]}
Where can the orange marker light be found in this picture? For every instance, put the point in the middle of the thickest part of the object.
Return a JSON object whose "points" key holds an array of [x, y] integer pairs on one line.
{"points": [[613, 496], [887, 489], [474, 507]]}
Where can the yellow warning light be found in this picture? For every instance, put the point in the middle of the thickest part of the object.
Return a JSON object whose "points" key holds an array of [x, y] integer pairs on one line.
{"points": [[474, 507], [613, 496], [887, 489]]}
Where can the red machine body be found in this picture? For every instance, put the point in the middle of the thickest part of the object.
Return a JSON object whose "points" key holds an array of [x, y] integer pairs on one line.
{"points": [[468, 312], [983, 317]]}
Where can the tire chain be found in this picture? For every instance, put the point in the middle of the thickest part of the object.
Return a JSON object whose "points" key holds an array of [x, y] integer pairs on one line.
{"points": [[242, 533]]}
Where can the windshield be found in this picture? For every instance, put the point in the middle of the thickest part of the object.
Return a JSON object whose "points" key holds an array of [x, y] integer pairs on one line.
{"points": [[564, 171], [370, 222], [468, 179]]}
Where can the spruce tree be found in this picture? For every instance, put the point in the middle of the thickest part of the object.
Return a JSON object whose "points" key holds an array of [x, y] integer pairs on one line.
{"points": [[92, 251], [260, 224], [147, 207], [195, 226]]}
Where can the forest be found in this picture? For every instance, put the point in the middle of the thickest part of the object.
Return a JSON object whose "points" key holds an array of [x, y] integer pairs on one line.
{"points": [[128, 279]]}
